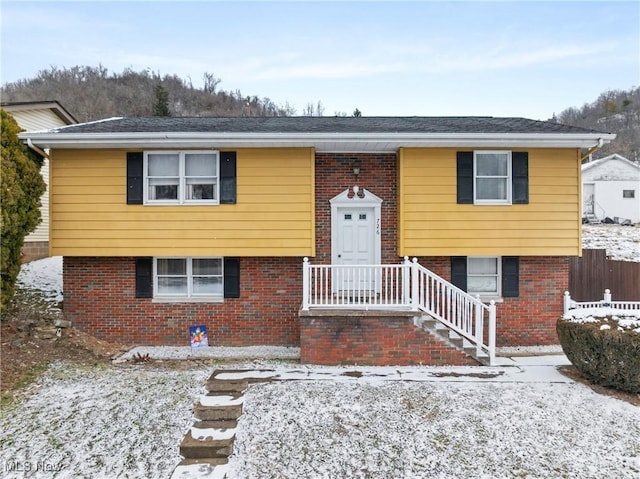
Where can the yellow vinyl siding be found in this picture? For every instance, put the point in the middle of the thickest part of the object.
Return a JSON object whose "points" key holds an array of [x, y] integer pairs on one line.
{"points": [[431, 223], [274, 214]]}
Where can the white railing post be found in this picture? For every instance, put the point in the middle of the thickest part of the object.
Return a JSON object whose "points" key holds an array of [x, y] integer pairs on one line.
{"points": [[607, 298], [492, 333], [479, 324], [415, 295], [306, 282], [566, 302], [406, 281]]}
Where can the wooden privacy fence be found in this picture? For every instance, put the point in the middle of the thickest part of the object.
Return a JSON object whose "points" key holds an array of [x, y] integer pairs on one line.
{"points": [[591, 274]]}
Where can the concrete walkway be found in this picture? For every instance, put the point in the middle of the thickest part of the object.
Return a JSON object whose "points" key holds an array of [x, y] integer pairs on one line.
{"points": [[513, 368]]}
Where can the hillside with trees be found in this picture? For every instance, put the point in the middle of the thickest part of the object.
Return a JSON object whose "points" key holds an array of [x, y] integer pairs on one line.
{"points": [[614, 111], [92, 93]]}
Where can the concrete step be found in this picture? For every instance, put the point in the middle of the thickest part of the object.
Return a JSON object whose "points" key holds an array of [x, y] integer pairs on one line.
{"points": [[454, 339], [212, 468], [212, 443], [215, 407], [220, 386]]}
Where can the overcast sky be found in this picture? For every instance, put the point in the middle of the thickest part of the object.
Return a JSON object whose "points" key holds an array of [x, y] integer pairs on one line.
{"points": [[528, 59]]}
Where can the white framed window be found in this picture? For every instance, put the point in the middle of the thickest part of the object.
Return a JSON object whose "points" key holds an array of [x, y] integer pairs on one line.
{"points": [[181, 177], [484, 275], [188, 278], [628, 193], [492, 177]]}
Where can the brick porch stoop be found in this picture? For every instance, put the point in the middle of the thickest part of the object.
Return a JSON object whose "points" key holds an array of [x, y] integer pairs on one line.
{"points": [[206, 447]]}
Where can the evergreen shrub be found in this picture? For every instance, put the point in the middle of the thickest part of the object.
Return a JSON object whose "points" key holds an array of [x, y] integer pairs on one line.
{"points": [[604, 352], [21, 187]]}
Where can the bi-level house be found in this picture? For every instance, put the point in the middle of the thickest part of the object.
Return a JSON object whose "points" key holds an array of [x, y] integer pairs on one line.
{"points": [[362, 240]]}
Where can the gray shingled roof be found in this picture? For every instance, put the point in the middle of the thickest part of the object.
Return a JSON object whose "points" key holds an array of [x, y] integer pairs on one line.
{"points": [[462, 124]]}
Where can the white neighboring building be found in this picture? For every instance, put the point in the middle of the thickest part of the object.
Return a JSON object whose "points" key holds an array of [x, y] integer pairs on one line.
{"points": [[36, 116], [611, 189]]}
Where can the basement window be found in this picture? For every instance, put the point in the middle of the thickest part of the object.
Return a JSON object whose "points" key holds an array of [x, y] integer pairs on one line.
{"points": [[188, 278], [628, 193], [484, 275]]}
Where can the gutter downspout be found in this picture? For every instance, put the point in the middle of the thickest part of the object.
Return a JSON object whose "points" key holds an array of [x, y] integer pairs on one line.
{"points": [[38, 150], [593, 149]]}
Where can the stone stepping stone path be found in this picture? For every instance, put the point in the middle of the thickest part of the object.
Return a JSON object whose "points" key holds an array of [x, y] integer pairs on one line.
{"points": [[207, 445]]}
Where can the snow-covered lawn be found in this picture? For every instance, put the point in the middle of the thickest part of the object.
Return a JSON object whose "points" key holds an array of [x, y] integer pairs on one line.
{"points": [[128, 421], [621, 242], [100, 422], [434, 430]]}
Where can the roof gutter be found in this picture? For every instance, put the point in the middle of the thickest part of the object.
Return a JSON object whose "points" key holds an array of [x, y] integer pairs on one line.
{"points": [[38, 150], [593, 149], [320, 141]]}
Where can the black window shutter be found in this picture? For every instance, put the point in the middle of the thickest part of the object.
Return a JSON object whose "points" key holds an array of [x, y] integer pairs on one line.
{"points": [[520, 177], [135, 177], [228, 177], [510, 276], [459, 272], [232, 277], [465, 177], [144, 277]]}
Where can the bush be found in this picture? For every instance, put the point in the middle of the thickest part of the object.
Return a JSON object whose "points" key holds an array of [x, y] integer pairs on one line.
{"points": [[603, 352], [20, 192]]}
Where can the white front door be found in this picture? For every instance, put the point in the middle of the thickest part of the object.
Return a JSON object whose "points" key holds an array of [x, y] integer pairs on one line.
{"points": [[356, 240], [355, 245]]}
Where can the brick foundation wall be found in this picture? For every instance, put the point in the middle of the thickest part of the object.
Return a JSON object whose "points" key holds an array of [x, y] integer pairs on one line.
{"points": [[372, 339], [99, 298], [530, 319]]}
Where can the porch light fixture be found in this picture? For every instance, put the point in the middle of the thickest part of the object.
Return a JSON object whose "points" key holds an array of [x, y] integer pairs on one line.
{"points": [[356, 171]]}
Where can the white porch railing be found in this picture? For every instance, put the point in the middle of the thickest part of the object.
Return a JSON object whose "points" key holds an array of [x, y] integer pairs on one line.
{"points": [[407, 286], [605, 302]]}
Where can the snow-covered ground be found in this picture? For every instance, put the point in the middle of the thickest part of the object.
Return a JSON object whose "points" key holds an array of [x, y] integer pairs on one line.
{"points": [[128, 421], [44, 275], [100, 422], [434, 430], [621, 242]]}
